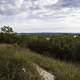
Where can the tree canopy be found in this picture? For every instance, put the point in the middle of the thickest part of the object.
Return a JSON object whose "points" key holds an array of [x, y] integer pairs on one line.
{"points": [[6, 29]]}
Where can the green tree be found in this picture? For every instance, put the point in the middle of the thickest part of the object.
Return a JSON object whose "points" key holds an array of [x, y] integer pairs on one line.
{"points": [[6, 29]]}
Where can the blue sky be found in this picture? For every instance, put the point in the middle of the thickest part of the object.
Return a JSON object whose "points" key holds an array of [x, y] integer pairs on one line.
{"points": [[41, 15]]}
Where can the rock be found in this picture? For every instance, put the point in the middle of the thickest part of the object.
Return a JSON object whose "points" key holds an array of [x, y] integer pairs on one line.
{"points": [[45, 75]]}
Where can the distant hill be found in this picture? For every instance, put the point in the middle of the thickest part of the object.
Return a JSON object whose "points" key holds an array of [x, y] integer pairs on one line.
{"points": [[48, 34]]}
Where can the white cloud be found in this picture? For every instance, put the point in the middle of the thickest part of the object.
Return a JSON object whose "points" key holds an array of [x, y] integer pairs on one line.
{"points": [[43, 3], [19, 3], [40, 15]]}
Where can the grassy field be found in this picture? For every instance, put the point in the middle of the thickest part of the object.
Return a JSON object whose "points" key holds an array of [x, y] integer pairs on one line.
{"points": [[14, 59]]}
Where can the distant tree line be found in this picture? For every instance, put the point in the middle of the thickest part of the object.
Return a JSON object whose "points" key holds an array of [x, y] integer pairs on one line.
{"points": [[63, 47]]}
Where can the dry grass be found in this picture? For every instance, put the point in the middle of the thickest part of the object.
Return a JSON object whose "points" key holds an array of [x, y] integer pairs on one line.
{"points": [[25, 57], [13, 68]]}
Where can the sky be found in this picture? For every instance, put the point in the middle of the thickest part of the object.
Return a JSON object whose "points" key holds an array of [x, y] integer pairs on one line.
{"points": [[41, 15]]}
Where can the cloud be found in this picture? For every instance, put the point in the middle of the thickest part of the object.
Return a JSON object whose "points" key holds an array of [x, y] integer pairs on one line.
{"points": [[43, 15], [37, 8], [70, 3]]}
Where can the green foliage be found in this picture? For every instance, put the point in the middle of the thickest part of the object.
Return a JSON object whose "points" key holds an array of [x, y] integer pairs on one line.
{"points": [[6, 29], [13, 60], [7, 35], [65, 47], [60, 47], [18, 58], [14, 68], [8, 38]]}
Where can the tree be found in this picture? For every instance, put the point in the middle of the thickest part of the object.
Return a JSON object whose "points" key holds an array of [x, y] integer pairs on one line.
{"points": [[6, 29]]}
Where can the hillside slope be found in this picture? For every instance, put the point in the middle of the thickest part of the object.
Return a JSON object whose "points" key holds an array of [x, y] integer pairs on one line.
{"points": [[16, 63]]}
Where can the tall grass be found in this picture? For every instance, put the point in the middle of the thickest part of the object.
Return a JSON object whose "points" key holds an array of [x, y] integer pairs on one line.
{"points": [[62, 70], [14, 68], [14, 58]]}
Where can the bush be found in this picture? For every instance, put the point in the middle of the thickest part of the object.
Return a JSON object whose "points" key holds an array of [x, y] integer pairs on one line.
{"points": [[62, 47]]}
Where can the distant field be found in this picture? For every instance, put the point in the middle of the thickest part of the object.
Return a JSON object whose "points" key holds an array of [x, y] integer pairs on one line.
{"points": [[13, 58]]}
